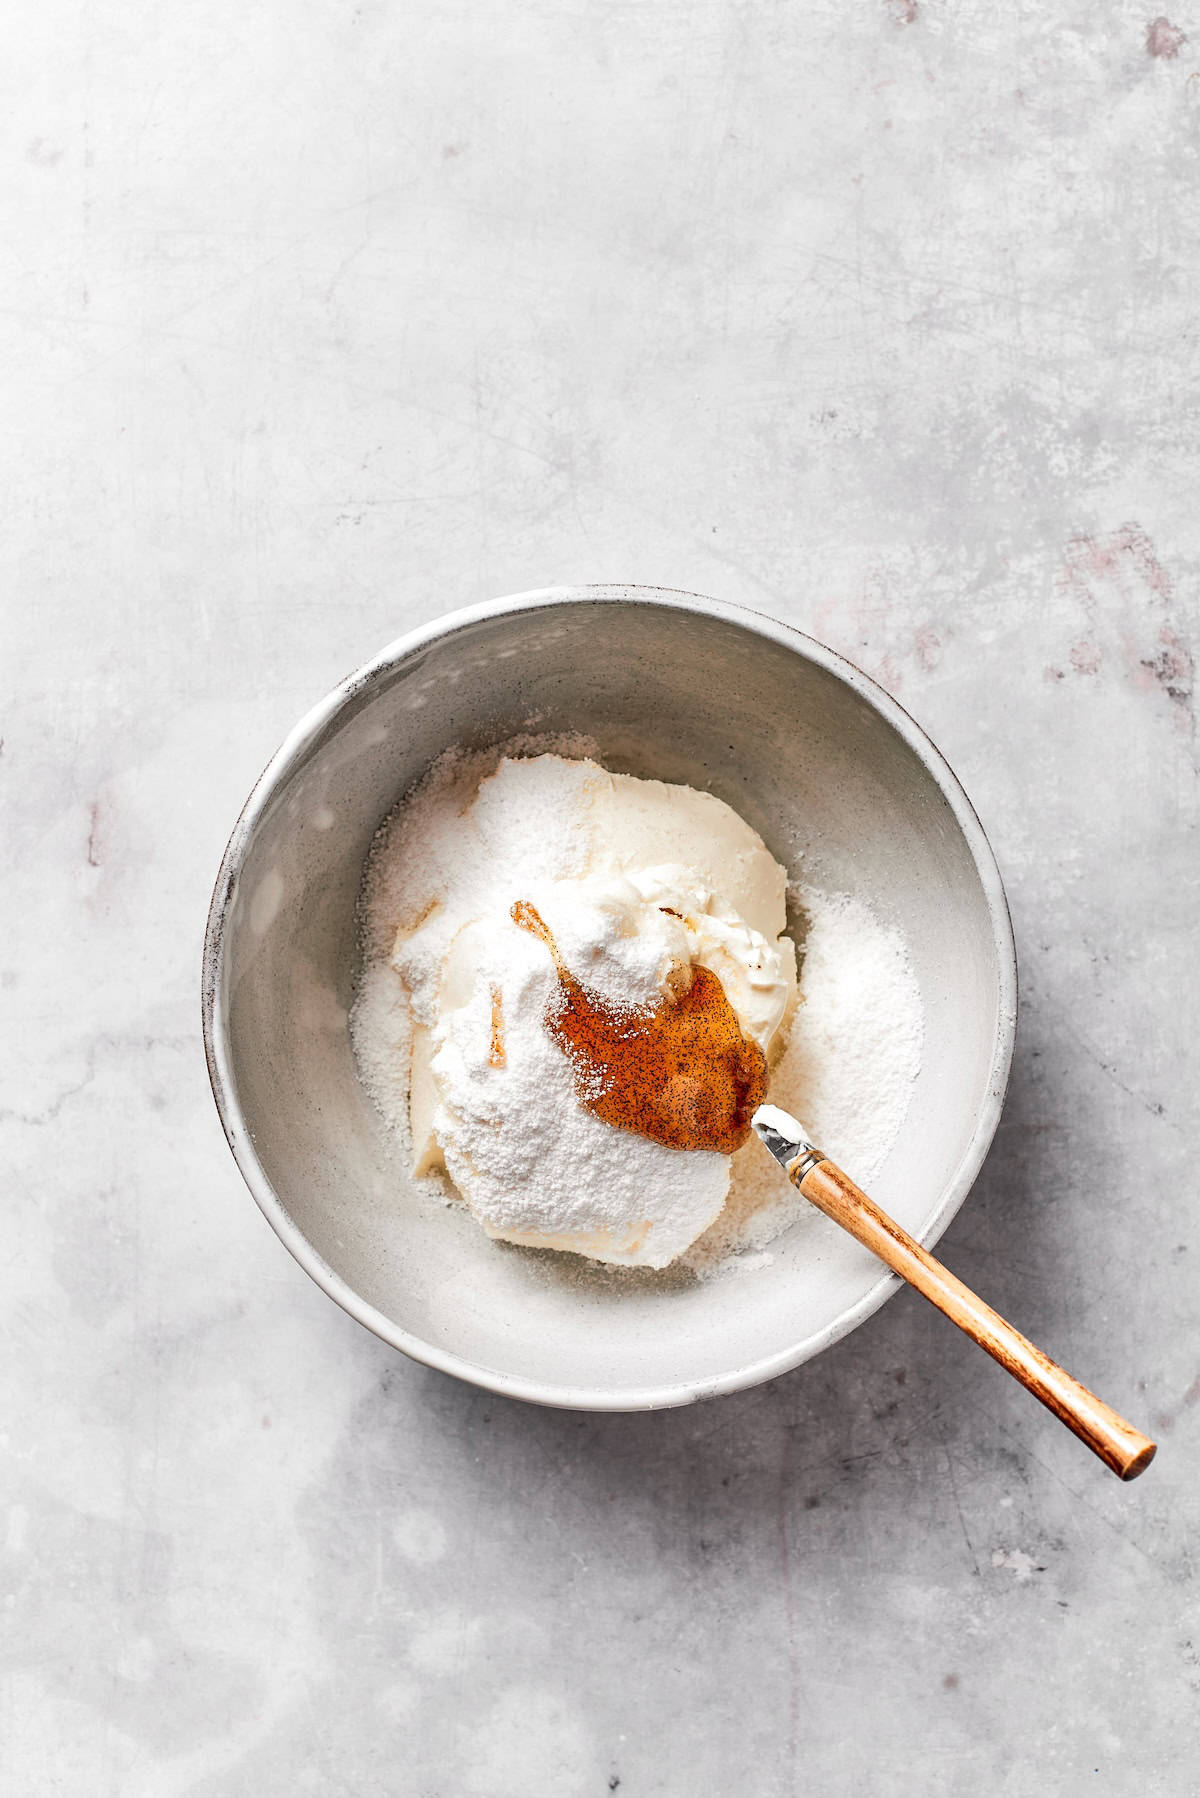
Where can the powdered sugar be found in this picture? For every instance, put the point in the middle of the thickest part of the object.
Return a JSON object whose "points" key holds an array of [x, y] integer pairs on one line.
{"points": [[475, 818], [534, 1165]]}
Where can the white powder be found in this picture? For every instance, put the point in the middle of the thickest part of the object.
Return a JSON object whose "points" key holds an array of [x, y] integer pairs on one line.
{"points": [[414, 857], [441, 863], [847, 1072]]}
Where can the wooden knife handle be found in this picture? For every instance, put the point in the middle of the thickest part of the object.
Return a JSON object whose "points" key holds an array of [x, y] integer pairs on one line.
{"points": [[1117, 1443]]}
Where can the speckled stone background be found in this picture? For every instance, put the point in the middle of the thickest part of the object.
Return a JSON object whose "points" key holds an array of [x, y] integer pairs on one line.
{"points": [[318, 320]]}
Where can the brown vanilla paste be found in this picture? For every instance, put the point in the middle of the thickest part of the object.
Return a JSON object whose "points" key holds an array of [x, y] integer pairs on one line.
{"points": [[680, 1072]]}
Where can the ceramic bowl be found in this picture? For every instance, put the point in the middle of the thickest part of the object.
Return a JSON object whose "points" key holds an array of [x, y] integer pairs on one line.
{"points": [[829, 770]]}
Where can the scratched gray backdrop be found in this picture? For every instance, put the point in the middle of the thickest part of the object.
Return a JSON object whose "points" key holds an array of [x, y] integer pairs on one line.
{"points": [[317, 320]]}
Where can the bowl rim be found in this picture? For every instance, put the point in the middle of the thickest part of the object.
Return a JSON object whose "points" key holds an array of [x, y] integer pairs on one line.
{"points": [[216, 1023]]}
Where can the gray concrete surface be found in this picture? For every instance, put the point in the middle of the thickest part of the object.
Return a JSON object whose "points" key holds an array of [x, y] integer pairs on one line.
{"points": [[317, 321]]}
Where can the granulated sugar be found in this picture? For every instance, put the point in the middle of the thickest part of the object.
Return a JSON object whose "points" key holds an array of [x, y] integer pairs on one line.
{"points": [[847, 1072]]}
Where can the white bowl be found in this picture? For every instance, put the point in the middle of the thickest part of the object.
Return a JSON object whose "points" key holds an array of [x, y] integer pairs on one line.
{"points": [[815, 756]]}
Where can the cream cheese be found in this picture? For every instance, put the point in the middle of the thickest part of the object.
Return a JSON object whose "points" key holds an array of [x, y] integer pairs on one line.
{"points": [[638, 881]]}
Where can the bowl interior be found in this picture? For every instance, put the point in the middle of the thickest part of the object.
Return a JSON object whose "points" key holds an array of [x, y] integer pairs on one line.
{"points": [[718, 699]]}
